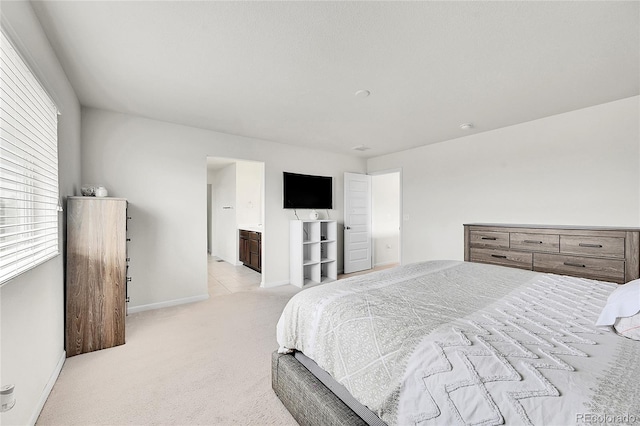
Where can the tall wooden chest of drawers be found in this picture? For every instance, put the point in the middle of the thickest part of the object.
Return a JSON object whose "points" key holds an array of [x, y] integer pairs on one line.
{"points": [[96, 273], [600, 253]]}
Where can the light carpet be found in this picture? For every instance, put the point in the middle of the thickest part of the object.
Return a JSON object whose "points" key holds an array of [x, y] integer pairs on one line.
{"points": [[206, 363]]}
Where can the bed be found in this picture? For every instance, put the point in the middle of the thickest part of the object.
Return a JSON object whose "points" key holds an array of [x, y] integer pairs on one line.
{"points": [[449, 342]]}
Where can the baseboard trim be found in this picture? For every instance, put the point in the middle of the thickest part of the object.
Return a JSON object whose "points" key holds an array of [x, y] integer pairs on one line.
{"points": [[174, 302], [274, 284], [386, 263], [47, 389]]}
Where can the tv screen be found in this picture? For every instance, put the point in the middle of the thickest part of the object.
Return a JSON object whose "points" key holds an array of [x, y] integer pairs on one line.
{"points": [[307, 192]]}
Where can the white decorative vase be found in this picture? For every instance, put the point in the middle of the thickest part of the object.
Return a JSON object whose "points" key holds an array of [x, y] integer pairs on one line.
{"points": [[101, 191], [313, 215]]}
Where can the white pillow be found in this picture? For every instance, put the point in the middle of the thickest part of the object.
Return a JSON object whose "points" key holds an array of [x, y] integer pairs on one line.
{"points": [[629, 327], [623, 302]]}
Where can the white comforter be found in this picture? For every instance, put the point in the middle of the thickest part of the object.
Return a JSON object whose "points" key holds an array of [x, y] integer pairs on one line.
{"points": [[462, 343]]}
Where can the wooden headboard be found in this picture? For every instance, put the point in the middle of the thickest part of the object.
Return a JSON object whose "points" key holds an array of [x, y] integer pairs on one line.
{"points": [[600, 253]]}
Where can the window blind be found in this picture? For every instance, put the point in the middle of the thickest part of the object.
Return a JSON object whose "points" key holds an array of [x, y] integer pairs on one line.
{"points": [[28, 167]]}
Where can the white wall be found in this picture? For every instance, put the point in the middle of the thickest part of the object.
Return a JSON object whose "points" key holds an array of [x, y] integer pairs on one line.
{"points": [[577, 168], [211, 212], [225, 245], [32, 305], [249, 192], [385, 218], [161, 168], [209, 218]]}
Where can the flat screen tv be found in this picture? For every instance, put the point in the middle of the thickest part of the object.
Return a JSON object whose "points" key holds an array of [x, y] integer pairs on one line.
{"points": [[307, 192]]}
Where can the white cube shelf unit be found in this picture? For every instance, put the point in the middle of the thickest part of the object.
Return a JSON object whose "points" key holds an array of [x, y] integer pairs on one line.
{"points": [[314, 252]]}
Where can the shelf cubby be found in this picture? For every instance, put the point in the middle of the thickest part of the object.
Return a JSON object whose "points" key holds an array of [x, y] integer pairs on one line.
{"points": [[314, 252]]}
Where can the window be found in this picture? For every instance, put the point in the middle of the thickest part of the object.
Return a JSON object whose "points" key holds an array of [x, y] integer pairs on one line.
{"points": [[28, 168]]}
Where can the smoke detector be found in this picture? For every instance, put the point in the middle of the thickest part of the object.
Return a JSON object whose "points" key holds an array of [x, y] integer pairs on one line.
{"points": [[361, 147], [466, 126]]}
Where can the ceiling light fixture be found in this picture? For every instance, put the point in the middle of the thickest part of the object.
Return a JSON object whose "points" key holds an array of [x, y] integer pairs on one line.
{"points": [[466, 126], [362, 93], [361, 147]]}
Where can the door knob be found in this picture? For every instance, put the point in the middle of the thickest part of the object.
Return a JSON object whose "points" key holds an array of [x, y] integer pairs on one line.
{"points": [[347, 227]]}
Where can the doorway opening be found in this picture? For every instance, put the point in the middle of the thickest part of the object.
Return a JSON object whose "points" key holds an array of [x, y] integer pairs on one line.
{"points": [[372, 225], [386, 214], [235, 209]]}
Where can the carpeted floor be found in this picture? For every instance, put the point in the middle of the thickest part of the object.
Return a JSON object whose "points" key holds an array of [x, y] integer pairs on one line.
{"points": [[204, 363]]}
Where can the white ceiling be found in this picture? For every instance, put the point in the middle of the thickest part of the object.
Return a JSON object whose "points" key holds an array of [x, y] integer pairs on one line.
{"points": [[288, 71]]}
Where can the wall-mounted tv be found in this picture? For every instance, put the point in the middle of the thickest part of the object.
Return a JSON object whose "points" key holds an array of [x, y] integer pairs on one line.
{"points": [[307, 191]]}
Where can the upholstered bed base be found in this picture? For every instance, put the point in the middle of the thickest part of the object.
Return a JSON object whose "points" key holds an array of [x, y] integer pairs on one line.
{"points": [[308, 400]]}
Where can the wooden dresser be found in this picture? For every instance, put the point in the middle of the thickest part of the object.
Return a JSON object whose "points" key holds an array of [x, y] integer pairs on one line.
{"points": [[600, 253], [96, 273]]}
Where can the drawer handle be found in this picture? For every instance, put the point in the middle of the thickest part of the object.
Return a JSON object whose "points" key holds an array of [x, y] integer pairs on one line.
{"points": [[489, 238], [590, 245], [532, 242], [577, 265], [499, 256]]}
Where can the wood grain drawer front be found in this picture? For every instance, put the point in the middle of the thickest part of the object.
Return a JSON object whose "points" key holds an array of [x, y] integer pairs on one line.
{"points": [[586, 267], [535, 242], [489, 239], [513, 259], [593, 246]]}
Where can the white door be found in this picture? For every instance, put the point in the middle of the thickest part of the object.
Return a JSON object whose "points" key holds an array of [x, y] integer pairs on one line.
{"points": [[357, 222]]}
